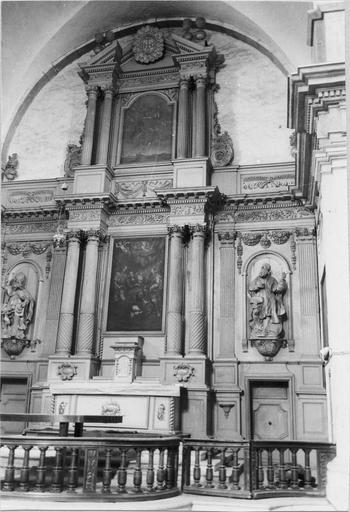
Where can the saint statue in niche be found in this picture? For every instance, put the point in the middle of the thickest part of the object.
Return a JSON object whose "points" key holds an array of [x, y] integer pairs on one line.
{"points": [[267, 308], [17, 309]]}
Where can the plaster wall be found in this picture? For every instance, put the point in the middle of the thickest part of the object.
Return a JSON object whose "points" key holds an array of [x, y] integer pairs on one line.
{"points": [[334, 256], [251, 101]]}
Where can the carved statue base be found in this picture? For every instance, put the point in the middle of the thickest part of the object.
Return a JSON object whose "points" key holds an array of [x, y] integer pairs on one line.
{"points": [[14, 346], [268, 347]]}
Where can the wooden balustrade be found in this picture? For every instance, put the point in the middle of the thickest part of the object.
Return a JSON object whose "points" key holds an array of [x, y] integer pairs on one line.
{"points": [[134, 468], [139, 468], [255, 469]]}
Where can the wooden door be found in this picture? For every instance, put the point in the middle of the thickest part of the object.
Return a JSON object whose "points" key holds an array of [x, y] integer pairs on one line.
{"points": [[13, 400], [270, 411]]}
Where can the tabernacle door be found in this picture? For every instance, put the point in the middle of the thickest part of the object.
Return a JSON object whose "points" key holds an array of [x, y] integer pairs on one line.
{"points": [[270, 411]]}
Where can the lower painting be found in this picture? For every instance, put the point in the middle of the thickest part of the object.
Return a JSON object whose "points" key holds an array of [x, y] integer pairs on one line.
{"points": [[137, 285]]}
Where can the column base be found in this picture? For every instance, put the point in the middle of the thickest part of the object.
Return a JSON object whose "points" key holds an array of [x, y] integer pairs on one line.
{"points": [[73, 368]]}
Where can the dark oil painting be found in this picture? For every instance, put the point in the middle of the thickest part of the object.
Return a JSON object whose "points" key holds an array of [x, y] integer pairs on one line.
{"points": [[147, 133], [136, 289]]}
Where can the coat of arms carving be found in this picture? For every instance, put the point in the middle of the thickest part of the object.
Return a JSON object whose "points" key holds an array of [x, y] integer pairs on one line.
{"points": [[148, 45]]}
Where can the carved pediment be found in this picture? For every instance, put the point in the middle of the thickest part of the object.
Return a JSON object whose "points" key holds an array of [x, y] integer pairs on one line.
{"points": [[148, 52]]}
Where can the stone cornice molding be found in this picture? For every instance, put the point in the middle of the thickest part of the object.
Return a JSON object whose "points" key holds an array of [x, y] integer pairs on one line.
{"points": [[29, 215], [317, 86], [87, 201]]}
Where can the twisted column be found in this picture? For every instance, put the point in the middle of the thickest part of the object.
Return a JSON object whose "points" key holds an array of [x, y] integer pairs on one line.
{"points": [[174, 316], [182, 133], [89, 125], [106, 125], [88, 297], [197, 317], [66, 319], [200, 116]]}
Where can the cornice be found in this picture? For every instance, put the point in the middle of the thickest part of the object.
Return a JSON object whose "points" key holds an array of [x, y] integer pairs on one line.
{"points": [[86, 201]]}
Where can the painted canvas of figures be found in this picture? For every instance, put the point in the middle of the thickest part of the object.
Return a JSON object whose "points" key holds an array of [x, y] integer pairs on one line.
{"points": [[137, 281], [147, 133]]}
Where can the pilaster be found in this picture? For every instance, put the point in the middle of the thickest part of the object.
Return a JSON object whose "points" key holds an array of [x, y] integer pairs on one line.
{"points": [[86, 154]]}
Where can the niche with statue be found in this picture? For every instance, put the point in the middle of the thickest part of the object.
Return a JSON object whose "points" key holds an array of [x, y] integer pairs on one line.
{"points": [[18, 307], [268, 304]]}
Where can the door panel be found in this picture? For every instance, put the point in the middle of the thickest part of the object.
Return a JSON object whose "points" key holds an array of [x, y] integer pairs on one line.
{"points": [[270, 411], [13, 400]]}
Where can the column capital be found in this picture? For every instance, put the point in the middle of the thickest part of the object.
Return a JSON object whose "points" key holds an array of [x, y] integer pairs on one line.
{"points": [[74, 236], [198, 230], [226, 239], [95, 235], [184, 81], [175, 230], [91, 90], [108, 89]]}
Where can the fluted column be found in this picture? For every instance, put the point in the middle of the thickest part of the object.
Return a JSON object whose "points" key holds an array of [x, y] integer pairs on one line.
{"points": [[197, 317], [174, 316], [88, 297], [106, 125], [200, 116], [89, 125], [66, 319], [183, 122]]}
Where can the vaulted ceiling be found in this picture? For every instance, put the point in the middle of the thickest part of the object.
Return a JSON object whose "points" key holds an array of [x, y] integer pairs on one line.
{"points": [[38, 34]]}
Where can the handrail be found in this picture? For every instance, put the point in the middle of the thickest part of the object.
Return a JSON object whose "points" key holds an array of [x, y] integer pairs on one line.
{"points": [[86, 442]]}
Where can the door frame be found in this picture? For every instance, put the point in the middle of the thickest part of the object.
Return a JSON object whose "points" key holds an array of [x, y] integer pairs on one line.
{"points": [[249, 380]]}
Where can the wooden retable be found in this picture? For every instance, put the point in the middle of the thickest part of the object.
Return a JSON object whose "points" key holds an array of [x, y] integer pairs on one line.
{"points": [[63, 420]]}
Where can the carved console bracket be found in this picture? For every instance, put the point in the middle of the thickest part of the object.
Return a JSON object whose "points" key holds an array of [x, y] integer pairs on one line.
{"points": [[226, 408], [267, 347]]}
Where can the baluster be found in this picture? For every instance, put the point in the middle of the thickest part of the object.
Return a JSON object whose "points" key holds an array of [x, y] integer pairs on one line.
{"points": [[73, 470], [24, 482], [222, 471], [161, 470], [57, 476], [107, 473], [40, 478], [186, 466], [235, 469], [307, 481], [138, 472], [170, 469], [270, 471], [150, 471], [197, 468], [9, 481], [209, 474], [294, 469], [282, 470], [122, 474], [260, 470]]}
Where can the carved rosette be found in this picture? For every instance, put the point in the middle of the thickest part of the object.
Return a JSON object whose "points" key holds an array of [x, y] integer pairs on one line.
{"points": [[148, 45], [110, 409], [67, 371], [183, 372]]}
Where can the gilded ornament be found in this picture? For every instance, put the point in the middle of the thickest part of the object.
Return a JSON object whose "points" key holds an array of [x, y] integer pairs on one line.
{"points": [[148, 45]]}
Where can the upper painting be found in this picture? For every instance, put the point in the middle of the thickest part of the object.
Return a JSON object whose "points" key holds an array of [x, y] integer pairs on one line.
{"points": [[147, 133]]}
